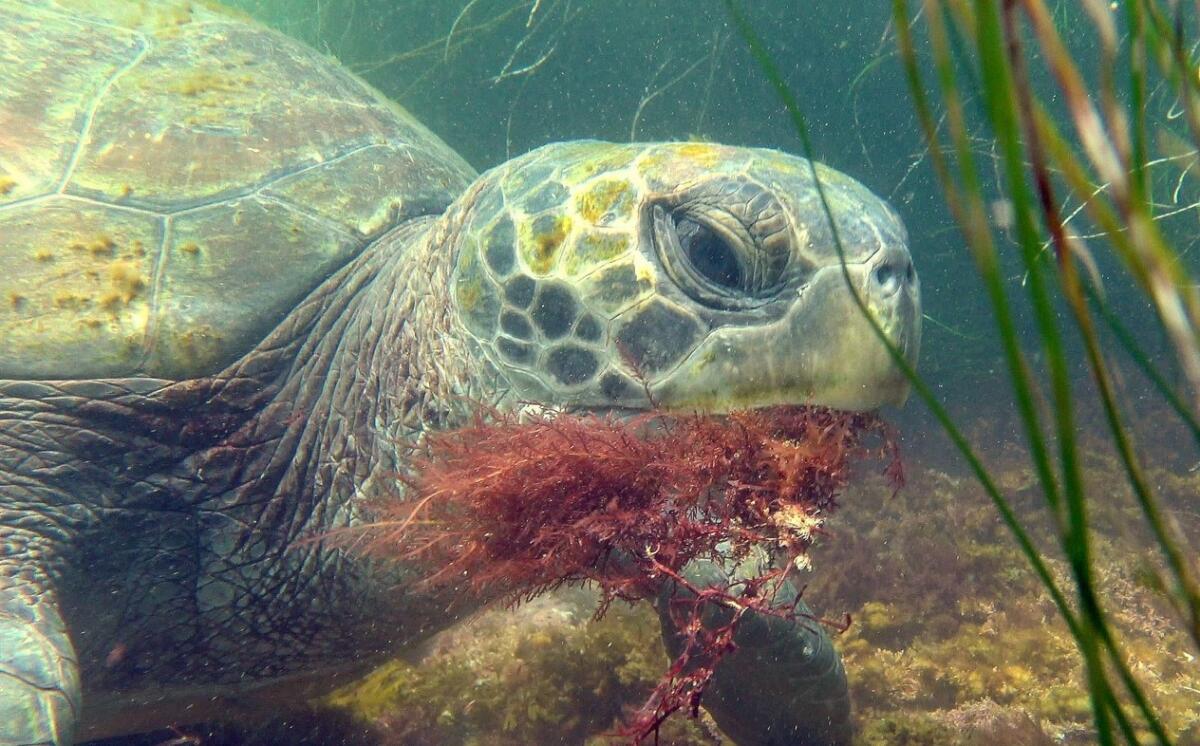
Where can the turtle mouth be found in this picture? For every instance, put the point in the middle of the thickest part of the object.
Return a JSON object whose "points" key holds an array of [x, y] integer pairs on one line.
{"points": [[622, 413], [626, 414]]}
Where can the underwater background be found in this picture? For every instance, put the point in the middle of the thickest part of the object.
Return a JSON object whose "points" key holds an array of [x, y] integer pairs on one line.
{"points": [[953, 640]]}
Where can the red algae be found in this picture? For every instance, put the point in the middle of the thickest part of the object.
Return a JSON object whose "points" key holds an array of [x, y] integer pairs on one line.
{"points": [[509, 507]]}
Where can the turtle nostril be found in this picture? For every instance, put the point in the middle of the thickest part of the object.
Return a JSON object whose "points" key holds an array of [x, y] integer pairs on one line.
{"points": [[887, 278], [910, 273]]}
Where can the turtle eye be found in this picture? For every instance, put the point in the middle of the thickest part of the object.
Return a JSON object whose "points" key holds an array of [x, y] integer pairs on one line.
{"points": [[712, 258], [709, 254]]}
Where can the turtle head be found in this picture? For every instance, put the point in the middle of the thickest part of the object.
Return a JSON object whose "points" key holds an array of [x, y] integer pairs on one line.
{"points": [[697, 276]]}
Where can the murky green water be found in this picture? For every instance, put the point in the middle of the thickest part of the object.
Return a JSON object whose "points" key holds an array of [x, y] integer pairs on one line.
{"points": [[952, 636]]}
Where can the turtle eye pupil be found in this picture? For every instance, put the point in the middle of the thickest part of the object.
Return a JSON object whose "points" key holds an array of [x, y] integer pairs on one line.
{"points": [[710, 255]]}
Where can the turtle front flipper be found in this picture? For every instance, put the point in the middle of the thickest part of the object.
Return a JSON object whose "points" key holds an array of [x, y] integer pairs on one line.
{"points": [[39, 674], [784, 684]]}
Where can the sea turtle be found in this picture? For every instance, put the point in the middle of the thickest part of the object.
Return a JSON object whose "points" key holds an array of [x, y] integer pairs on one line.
{"points": [[237, 281]]}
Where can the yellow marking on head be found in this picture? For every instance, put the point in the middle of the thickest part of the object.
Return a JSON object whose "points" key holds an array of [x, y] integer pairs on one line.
{"points": [[542, 247], [605, 197], [606, 158], [644, 271], [469, 294], [786, 165], [593, 249], [703, 153]]}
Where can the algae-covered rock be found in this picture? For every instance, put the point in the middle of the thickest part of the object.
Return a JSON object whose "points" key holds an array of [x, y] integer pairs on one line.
{"points": [[545, 673], [985, 723], [907, 729], [947, 615]]}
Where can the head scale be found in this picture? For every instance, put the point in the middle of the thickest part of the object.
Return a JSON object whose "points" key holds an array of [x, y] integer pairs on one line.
{"points": [[591, 273]]}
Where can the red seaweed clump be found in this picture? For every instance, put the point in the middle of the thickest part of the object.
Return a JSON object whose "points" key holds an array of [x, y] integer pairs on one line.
{"points": [[515, 506]]}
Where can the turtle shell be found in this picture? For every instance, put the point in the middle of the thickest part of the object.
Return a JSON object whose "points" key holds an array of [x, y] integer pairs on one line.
{"points": [[174, 178]]}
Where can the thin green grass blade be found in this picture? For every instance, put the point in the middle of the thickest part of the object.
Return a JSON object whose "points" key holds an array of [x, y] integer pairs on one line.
{"points": [[1071, 287], [1002, 97], [1167, 282], [1176, 559], [952, 192], [1136, 55], [1185, 597]]}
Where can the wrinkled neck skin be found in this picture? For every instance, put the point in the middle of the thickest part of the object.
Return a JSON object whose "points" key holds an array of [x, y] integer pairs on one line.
{"points": [[420, 371]]}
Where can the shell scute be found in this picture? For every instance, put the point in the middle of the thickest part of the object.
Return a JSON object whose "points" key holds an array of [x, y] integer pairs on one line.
{"points": [[76, 283], [223, 148]]}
